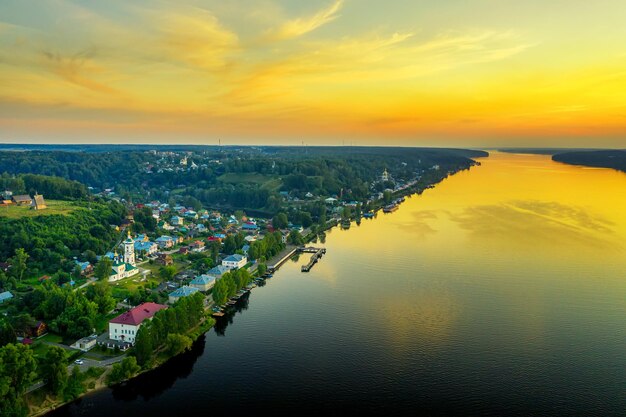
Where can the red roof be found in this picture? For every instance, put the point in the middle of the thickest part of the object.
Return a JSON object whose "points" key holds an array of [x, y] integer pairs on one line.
{"points": [[138, 314]]}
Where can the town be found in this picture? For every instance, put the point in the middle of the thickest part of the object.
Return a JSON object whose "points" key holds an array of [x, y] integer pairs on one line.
{"points": [[92, 287]]}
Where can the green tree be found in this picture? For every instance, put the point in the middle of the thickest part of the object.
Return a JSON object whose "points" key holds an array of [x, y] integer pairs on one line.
{"points": [[280, 221], [167, 272], [295, 238], [123, 370], [101, 294], [18, 263], [261, 269], [144, 349], [103, 268], [7, 333], [177, 343], [53, 369], [75, 386], [17, 372]]}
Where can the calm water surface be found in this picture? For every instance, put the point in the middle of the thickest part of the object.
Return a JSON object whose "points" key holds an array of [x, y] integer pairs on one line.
{"points": [[502, 291]]}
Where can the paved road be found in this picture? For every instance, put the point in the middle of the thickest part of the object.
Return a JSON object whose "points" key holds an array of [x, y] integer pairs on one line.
{"points": [[86, 364]]}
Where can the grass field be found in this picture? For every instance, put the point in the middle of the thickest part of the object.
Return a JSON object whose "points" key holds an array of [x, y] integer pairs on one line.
{"points": [[265, 181], [54, 207]]}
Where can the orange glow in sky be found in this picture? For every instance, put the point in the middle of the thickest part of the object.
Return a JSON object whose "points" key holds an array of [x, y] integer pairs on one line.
{"points": [[415, 73]]}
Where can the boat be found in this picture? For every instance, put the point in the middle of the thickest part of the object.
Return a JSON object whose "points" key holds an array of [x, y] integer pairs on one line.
{"points": [[390, 208], [368, 215]]}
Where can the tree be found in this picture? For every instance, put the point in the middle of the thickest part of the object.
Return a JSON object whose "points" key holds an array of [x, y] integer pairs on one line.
{"points": [[53, 369], [261, 269], [123, 370], [143, 345], [167, 272], [280, 221], [177, 343], [103, 268], [17, 372], [74, 386], [295, 238], [7, 333], [220, 291], [18, 263], [101, 294], [230, 245]]}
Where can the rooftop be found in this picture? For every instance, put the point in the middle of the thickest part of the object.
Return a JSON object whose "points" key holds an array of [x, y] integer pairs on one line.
{"points": [[138, 314]]}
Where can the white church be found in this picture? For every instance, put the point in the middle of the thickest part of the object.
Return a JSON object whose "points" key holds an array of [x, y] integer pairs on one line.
{"points": [[124, 267]]}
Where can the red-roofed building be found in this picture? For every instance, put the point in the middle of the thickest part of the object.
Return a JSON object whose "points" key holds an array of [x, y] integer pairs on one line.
{"points": [[125, 326]]}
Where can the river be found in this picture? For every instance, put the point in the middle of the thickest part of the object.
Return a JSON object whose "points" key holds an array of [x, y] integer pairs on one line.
{"points": [[502, 291]]}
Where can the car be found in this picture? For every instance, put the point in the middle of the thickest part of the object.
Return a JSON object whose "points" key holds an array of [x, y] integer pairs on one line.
{"points": [[79, 361]]}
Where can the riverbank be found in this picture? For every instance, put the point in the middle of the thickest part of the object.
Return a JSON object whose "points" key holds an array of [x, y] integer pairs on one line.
{"points": [[417, 189], [40, 402]]}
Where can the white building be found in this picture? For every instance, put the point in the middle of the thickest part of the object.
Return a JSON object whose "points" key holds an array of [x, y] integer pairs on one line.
{"points": [[235, 261], [124, 327], [124, 267]]}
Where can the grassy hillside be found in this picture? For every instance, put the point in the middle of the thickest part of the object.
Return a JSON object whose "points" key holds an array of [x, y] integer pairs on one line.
{"points": [[54, 207]]}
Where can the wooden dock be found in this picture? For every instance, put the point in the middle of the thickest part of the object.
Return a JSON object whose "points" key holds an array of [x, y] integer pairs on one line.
{"points": [[317, 255]]}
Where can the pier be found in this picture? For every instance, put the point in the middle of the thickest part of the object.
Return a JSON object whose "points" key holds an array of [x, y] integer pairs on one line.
{"points": [[282, 258], [317, 255]]}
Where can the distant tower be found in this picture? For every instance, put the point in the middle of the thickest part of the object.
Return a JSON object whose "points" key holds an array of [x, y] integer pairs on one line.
{"points": [[385, 176], [129, 251]]}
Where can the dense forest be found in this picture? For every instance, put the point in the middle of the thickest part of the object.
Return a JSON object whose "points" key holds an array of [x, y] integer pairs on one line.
{"points": [[615, 159], [53, 241], [236, 177], [51, 187]]}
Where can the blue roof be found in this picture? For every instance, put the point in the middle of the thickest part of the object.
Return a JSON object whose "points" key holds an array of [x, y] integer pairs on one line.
{"points": [[143, 245], [164, 238], [5, 296], [249, 226], [234, 258], [203, 279], [184, 291], [83, 265], [218, 270]]}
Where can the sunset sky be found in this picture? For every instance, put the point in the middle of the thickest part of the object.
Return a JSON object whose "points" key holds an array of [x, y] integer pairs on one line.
{"points": [[398, 72]]}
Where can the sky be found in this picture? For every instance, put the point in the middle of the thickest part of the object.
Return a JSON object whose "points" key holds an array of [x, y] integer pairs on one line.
{"points": [[471, 73]]}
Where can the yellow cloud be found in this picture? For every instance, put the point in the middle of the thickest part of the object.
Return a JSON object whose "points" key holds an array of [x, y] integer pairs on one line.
{"points": [[301, 26]]}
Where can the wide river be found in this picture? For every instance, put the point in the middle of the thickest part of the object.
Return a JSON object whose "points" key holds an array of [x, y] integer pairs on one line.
{"points": [[501, 291]]}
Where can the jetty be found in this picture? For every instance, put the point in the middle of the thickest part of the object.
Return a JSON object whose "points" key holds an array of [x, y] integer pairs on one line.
{"points": [[317, 255], [281, 259]]}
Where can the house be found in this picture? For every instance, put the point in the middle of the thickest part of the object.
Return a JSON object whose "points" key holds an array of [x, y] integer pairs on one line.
{"points": [[22, 200], [197, 246], [183, 291], [177, 221], [125, 326], [146, 247], [245, 249], [5, 296], [85, 267], [38, 329], [165, 242], [330, 200], [165, 259], [218, 271], [86, 343], [38, 202], [235, 261], [184, 250], [309, 195], [203, 282], [250, 227]]}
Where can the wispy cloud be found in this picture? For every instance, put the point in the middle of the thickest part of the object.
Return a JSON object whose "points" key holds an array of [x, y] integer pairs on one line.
{"points": [[300, 26], [73, 69]]}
